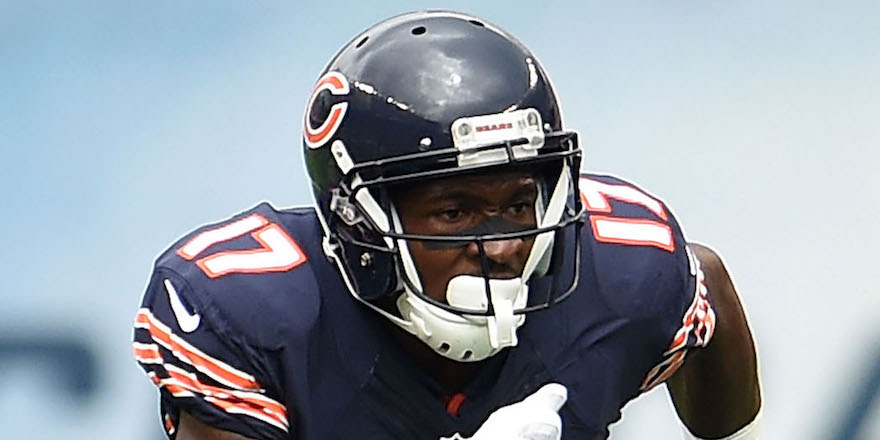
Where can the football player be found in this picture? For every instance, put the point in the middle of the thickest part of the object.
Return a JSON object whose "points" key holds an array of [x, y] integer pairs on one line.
{"points": [[458, 276]]}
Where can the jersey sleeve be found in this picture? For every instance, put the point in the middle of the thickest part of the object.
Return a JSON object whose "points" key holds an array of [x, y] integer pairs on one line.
{"points": [[202, 368], [693, 330], [652, 277]]}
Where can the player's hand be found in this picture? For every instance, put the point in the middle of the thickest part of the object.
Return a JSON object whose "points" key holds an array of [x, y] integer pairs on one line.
{"points": [[534, 418]]}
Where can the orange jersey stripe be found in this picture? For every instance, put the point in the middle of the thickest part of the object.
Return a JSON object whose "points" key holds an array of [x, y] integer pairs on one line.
{"points": [[699, 315], [672, 364], [147, 353], [214, 368], [182, 384], [169, 425], [254, 399], [175, 389], [234, 408]]}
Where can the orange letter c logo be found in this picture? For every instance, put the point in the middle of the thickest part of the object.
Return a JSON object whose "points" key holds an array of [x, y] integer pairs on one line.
{"points": [[336, 84]]}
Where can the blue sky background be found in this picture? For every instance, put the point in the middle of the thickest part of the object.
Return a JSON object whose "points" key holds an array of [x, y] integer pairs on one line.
{"points": [[125, 124]]}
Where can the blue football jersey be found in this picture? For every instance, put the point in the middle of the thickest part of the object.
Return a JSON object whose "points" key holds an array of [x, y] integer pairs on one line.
{"points": [[247, 325]]}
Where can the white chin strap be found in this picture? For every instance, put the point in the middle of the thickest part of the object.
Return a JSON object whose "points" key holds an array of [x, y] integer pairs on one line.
{"points": [[469, 292], [468, 338]]}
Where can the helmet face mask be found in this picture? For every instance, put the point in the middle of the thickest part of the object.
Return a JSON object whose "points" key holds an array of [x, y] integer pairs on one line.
{"points": [[369, 136]]}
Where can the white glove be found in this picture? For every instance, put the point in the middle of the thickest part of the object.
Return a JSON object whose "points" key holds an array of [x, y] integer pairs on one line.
{"points": [[534, 418]]}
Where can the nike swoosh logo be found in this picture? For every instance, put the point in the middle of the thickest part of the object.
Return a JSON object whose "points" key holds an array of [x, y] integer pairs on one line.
{"points": [[187, 322]]}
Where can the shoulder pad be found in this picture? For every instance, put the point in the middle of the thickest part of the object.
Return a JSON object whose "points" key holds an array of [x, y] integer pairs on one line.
{"points": [[639, 251], [645, 271], [252, 273]]}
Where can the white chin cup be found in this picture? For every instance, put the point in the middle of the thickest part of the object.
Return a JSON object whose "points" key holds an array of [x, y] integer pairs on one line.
{"points": [[468, 338]]}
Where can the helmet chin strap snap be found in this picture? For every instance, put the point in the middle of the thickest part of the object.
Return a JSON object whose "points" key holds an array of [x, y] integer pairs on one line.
{"points": [[469, 292]]}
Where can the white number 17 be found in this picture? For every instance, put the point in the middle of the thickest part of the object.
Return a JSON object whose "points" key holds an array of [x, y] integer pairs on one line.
{"points": [[622, 230]]}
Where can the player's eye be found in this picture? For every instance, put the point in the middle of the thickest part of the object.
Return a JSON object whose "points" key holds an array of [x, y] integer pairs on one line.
{"points": [[518, 208], [451, 215], [521, 212]]}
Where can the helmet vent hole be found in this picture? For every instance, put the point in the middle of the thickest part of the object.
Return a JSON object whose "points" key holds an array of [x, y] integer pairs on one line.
{"points": [[419, 30], [361, 43], [444, 347], [477, 23], [466, 355]]}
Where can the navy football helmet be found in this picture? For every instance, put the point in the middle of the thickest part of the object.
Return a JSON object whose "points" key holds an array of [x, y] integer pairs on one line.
{"points": [[429, 95]]}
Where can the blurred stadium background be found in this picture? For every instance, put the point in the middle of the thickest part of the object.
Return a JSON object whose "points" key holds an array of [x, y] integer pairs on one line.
{"points": [[125, 124]]}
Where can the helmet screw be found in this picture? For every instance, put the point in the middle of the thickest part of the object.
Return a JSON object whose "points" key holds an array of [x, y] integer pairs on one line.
{"points": [[366, 259], [532, 119], [348, 213], [424, 143], [464, 129]]}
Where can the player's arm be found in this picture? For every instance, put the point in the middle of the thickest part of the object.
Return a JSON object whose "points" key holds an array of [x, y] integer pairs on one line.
{"points": [[201, 370], [191, 428], [716, 392]]}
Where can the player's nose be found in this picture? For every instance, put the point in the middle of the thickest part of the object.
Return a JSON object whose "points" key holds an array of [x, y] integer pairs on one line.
{"points": [[504, 257]]}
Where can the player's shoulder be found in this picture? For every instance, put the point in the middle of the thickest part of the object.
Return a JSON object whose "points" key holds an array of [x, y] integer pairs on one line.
{"points": [[604, 193], [637, 248], [251, 274]]}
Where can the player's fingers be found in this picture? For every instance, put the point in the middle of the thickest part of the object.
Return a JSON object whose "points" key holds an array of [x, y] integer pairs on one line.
{"points": [[540, 432], [552, 396], [547, 425]]}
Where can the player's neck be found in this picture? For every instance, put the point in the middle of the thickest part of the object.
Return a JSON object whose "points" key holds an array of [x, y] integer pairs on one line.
{"points": [[452, 376]]}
